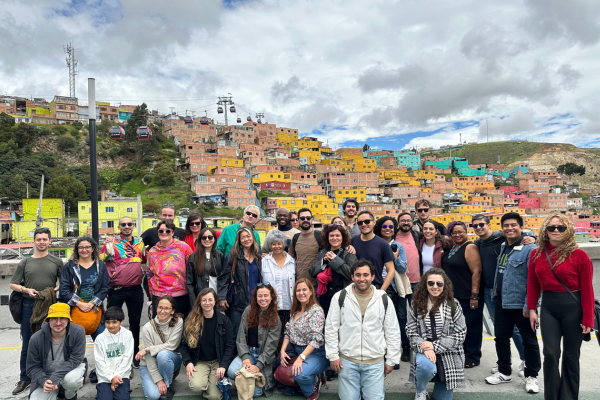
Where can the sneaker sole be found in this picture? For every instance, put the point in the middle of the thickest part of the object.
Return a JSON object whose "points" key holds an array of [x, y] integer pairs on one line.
{"points": [[498, 383], [533, 391]]}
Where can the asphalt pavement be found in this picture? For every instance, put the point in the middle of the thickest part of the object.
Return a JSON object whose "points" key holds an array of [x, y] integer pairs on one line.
{"points": [[397, 385]]}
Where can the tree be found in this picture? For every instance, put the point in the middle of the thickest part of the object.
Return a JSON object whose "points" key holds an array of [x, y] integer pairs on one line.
{"points": [[6, 121], [139, 117], [570, 169], [17, 189], [64, 143], [164, 175], [109, 179], [68, 188]]}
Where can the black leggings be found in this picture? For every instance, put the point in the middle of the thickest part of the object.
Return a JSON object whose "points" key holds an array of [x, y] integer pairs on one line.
{"points": [[560, 318]]}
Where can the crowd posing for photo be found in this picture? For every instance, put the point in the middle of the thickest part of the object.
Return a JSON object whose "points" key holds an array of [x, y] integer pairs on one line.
{"points": [[351, 302]]}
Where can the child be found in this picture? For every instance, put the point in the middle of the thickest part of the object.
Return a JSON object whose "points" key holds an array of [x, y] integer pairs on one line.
{"points": [[113, 351]]}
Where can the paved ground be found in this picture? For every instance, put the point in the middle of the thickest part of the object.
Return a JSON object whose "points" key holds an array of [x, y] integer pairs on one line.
{"points": [[397, 383]]}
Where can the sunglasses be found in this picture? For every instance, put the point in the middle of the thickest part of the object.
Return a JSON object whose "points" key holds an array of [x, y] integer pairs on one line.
{"points": [[305, 218], [124, 224], [211, 237], [251, 214], [294, 219], [552, 228], [261, 284], [364, 221], [480, 225], [438, 283], [197, 223], [387, 226], [163, 231], [423, 210]]}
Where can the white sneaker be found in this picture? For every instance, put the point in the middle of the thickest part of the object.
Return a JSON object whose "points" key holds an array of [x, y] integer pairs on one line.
{"points": [[498, 378], [522, 370], [531, 385], [495, 368], [421, 396]]}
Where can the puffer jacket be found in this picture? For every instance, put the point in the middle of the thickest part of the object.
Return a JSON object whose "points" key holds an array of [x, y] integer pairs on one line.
{"points": [[241, 294], [375, 335], [196, 283]]}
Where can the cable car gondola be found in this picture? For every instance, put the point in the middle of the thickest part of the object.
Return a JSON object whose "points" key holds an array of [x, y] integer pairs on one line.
{"points": [[204, 120], [239, 120], [117, 133], [249, 118], [188, 120], [232, 109], [220, 110], [143, 133], [258, 120]]}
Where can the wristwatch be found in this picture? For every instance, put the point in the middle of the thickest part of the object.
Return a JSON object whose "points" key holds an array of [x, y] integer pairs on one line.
{"points": [[303, 357], [474, 296]]}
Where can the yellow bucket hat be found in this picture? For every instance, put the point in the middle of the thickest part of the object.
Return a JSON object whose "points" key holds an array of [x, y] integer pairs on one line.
{"points": [[59, 310]]}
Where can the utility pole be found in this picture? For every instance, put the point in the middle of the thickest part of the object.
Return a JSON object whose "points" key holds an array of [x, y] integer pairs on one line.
{"points": [[225, 101], [93, 164], [72, 64]]}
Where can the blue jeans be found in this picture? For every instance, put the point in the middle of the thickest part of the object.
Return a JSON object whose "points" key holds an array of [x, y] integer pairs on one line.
{"points": [[423, 374], [402, 314], [236, 320], [315, 365], [491, 306], [236, 365], [26, 313], [355, 379], [104, 392], [168, 362], [99, 330]]}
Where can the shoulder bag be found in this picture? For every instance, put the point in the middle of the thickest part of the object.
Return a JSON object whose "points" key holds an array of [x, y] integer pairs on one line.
{"points": [[15, 301], [587, 337]]}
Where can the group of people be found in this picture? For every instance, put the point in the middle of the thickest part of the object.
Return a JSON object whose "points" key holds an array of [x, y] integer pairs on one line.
{"points": [[352, 301]]}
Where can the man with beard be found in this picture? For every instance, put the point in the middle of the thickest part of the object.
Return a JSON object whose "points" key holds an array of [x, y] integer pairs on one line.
{"points": [[351, 208], [305, 246], [283, 225], [409, 239]]}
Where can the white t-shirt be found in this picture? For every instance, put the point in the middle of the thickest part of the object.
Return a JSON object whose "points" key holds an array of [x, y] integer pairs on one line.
{"points": [[212, 280], [427, 257]]}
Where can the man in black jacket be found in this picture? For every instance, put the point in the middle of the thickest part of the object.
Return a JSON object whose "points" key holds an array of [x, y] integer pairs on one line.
{"points": [[55, 358], [422, 208]]}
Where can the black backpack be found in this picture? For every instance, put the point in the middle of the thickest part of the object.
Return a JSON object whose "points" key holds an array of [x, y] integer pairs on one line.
{"points": [[317, 238]]}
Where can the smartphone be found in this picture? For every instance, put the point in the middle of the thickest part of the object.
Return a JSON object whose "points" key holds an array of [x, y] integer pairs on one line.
{"points": [[394, 247]]}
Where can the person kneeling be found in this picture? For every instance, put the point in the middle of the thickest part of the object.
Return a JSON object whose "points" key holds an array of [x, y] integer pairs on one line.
{"points": [[55, 358], [113, 352]]}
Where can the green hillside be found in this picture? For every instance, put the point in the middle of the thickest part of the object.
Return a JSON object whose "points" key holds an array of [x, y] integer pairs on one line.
{"points": [[487, 153]]}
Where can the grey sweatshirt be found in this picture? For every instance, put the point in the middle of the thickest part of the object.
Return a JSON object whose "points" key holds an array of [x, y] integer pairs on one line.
{"points": [[149, 338]]}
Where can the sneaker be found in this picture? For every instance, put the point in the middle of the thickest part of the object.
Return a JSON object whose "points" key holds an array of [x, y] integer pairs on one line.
{"points": [[531, 385], [522, 369], [405, 357], [421, 396], [21, 386], [495, 368], [93, 377], [498, 378], [170, 392], [136, 364], [315, 394]]}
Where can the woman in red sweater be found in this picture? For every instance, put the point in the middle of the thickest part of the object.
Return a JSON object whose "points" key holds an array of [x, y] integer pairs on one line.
{"points": [[562, 316]]}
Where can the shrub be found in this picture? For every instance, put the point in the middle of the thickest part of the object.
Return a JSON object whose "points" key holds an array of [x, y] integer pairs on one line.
{"points": [[65, 143]]}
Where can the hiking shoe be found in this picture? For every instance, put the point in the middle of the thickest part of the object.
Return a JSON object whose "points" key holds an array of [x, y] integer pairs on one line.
{"points": [[531, 385], [21, 386], [170, 392], [522, 370], [498, 378], [405, 357]]}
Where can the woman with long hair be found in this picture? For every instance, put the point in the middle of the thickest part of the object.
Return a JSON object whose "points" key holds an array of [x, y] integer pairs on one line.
{"points": [[258, 337], [159, 359], [279, 268], [558, 264], [432, 246], [462, 264], [207, 346], [84, 283], [167, 268], [243, 265], [204, 265], [333, 263], [194, 224], [436, 329], [304, 334]]}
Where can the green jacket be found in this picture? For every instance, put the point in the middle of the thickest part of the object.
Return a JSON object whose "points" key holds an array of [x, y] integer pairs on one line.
{"points": [[227, 238]]}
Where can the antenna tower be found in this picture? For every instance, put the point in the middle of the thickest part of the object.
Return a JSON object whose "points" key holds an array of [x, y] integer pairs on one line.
{"points": [[72, 64]]}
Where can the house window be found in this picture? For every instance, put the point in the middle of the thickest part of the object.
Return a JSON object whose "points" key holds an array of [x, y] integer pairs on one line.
{"points": [[110, 209], [58, 253], [129, 209], [82, 207]]}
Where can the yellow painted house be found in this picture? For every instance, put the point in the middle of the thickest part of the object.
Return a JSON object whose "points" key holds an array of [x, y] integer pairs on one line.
{"points": [[109, 213], [53, 214], [286, 135], [232, 162], [358, 194], [365, 165], [272, 176], [312, 157], [345, 165]]}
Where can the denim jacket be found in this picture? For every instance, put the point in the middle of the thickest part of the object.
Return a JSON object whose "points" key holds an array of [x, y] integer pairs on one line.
{"points": [[514, 284]]}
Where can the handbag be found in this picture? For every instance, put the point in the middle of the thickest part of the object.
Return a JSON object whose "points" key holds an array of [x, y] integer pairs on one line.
{"points": [[89, 320], [587, 337], [15, 301], [440, 375], [284, 375]]}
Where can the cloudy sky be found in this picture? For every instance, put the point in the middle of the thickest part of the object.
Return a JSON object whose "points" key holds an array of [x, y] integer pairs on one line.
{"points": [[393, 74]]}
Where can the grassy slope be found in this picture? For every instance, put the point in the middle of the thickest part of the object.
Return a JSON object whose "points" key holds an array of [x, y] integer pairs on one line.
{"points": [[487, 153]]}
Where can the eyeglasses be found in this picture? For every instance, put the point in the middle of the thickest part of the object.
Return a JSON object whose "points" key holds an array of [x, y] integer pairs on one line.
{"points": [[197, 223], [124, 224], [84, 247], [457, 233], [251, 214], [405, 221], [479, 225], [164, 308], [163, 231], [211, 237], [387, 226], [364, 221], [423, 210], [552, 228], [261, 284], [438, 283], [305, 218]]}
